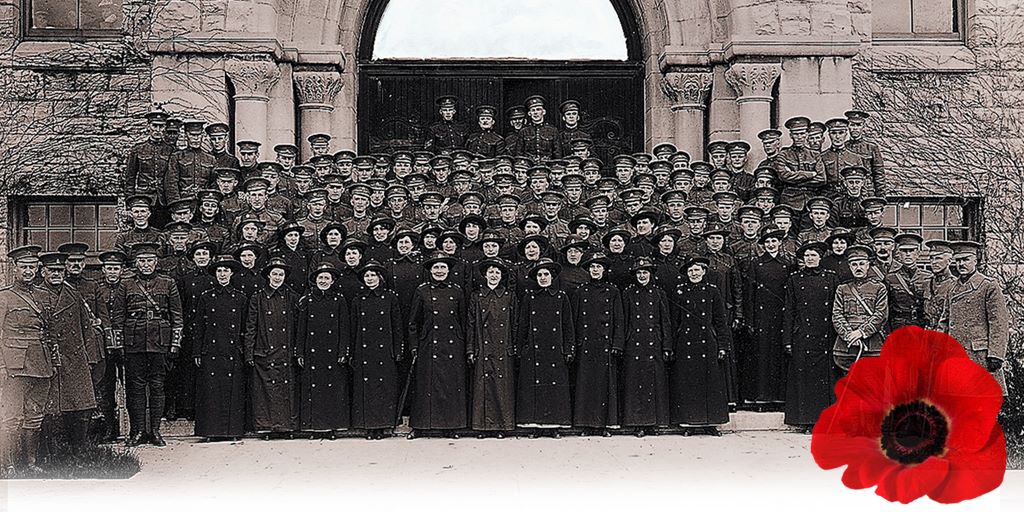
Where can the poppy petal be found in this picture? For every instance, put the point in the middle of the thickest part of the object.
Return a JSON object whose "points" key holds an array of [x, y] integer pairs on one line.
{"points": [[970, 397], [908, 483], [880, 383], [972, 474], [921, 349], [854, 417], [832, 449], [869, 467]]}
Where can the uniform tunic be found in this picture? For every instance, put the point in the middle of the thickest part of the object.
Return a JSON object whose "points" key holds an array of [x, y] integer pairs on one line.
{"points": [[545, 335], [539, 142], [762, 361], [600, 327], [976, 315], [491, 328], [270, 344], [218, 320], [436, 327], [378, 339], [807, 328], [648, 335], [699, 390], [322, 337], [859, 304], [906, 296]]}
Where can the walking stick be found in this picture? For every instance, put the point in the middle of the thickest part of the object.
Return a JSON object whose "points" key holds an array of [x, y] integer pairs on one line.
{"points": [[405, 390]]}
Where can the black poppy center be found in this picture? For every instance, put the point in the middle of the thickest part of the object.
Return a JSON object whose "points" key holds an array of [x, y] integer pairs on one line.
{"points": [[914, 431]]}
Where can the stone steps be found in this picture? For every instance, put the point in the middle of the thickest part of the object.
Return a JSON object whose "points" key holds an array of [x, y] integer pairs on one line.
{"points": [[741, 421]]}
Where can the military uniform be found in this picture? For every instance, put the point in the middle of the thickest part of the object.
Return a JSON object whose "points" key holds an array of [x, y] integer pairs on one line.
{"points": [[860, 304], [188, 171], [975, 314], [485, 142], [906, 296], [144, 172], [539, 142]]}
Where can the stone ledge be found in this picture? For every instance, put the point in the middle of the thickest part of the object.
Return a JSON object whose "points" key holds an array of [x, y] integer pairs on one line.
{"points": [[922, 57], [220, 43], [688, 56]]}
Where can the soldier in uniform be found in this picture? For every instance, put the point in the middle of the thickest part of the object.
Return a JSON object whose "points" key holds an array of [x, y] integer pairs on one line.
{"points": [[248, 155], [257, 207], [113, 364], [486, 141], [869, 152], [873, 208], [807, 337], [848, 208], [516, 116], [570, 131], [771, 142], [796, 166], [837, 157], [975, 312], [940, 256], [147, 163], [883, 241], [907, 284], [820, 212], [146, 313], [446, 134], [218, 134], [171, 133], [140, 210], [538, 140], [815, 136], [859, 312], [319, 144], [27, 358], [189, 170]]}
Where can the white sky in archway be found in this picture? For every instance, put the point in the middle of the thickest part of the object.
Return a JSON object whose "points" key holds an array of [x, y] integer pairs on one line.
{"points": [[477, 29]]}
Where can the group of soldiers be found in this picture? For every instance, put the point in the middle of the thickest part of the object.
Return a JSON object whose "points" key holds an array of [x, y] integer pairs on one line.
{"points": [[485, 282]]}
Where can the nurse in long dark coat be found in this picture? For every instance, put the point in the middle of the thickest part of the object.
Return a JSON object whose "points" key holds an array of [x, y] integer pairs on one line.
{"points": [[269, 349], [248, 279], [573, 272], [701, 346], [437, 330], [648, 346], [807, 337], [218, 325], [289, 248], [350, 283], [600, 339], [546, 345], [493, 312], [322, 353], [619, 261], [763, 364], [378, 339]]}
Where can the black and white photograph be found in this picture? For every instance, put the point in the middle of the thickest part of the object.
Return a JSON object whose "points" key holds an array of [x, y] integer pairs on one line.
{"points": [[511, 255]]}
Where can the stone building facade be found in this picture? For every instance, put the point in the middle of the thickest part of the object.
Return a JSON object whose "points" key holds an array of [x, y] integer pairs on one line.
{"points": [[944, 78]]}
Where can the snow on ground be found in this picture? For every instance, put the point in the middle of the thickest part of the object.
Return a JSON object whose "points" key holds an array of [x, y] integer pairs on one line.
{"points": [[744, 471]]}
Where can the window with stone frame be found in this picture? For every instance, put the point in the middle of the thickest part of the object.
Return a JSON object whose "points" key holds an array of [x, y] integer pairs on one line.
{"points": [[51, 221], [917, 19], [73, 19], [934, 218]]}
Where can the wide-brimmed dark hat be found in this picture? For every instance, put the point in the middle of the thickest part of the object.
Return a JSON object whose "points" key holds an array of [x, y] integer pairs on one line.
{"points": [[541, 240], [644, 264], [697, 260], [820, 247], [626, 236], [373, 265], [598, 257], [484, 264], [276, 263], [545, 263], [325, 267], [438, 257], [224, 260]]}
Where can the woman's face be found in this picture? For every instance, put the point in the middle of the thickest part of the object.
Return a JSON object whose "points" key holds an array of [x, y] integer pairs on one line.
{"points": [[696, 273], [667, 244], [353, 256], [532, 250]]}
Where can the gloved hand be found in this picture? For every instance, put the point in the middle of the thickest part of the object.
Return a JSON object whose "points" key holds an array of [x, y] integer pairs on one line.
{"points": [[616, 352], [170, 359], [993, 363], [737, 324], [198, 361], [343, 360], [722, 354], [251, 363], [669, 355], [470, 359], [788, 349]]}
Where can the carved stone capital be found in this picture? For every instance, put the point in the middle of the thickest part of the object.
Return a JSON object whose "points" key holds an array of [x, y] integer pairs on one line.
{"points": [[252, 76], [753, 81], [687, 89], [317, 89]]}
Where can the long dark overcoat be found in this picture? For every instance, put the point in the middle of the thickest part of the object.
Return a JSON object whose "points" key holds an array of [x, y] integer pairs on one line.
{"points": [[699, 393], [218, 324], [546, 335], [762, 360], [322, 338], [491, 328], [644, 377], [378, 339], [600, 327], [437, 327], [807, 327], [70, 326], [270, 345]]}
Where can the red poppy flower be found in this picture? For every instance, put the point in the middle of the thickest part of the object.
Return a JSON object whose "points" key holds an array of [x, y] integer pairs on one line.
{"points": [[918, 420]]}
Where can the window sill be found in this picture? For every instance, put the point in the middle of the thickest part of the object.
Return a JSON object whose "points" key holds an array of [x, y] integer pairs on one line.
{"points": [[73, 55], [922, 56]]}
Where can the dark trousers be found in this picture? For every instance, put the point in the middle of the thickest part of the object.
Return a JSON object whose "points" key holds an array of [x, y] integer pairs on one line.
{"points": [[144, 372], [108, 371]]}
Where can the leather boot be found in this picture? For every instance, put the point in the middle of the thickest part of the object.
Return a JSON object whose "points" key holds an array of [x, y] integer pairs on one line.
{"points": [[155, 438], [9, 444], [30, 444]]}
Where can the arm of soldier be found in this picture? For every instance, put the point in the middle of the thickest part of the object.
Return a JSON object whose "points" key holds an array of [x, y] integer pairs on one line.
{"points": [[820, 176], [251, 327], [558, 145], [839, 320], [171, 176], [788, 170], [878, 317], [90, 335], [618, 318], [736, 294], [177, 317], [118, 303], [998, 321], [131, 173]]}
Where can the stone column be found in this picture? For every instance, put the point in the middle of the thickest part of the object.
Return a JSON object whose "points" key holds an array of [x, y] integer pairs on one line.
{"points": [[252, 76], [316, 91], [753, 83], [688, 92]]}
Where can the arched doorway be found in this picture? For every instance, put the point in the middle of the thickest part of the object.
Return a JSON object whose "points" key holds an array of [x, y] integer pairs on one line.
{"points": [[398, 85]]}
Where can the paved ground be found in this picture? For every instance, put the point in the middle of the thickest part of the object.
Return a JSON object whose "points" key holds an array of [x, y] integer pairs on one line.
{"points": [[750, 470]]}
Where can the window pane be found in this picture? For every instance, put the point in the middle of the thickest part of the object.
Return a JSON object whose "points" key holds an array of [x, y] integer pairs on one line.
{"points": [[108, 216], [932, 16], [931, 215], [58, 237], [60, 215], [891, 17], [36, 215], [955, 215], [909, 215], [86, 236], [85, 215], [934, 234], [889, 215], [956, 234], [106, 240], [37, 237], [101, 14], [54, 14]]}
